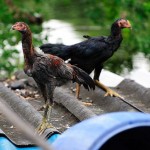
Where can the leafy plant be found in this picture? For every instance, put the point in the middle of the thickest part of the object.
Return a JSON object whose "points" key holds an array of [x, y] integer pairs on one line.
{"points": [[8, 62]]}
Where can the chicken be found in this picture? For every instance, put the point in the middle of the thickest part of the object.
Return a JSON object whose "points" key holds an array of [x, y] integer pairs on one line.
{"points": [[48, 71], [91, 54]]}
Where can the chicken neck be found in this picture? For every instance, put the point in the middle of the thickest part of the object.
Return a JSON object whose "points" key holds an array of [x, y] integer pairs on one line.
{"points": [[115, 38], [115, 30], [28, 48]]}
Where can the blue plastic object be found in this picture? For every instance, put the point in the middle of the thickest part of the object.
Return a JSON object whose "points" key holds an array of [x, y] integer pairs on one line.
{"points": [[6, 144], [125, 129], [113, 131]]}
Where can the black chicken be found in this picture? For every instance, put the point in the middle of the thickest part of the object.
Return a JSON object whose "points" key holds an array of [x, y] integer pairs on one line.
{"points": [[48, 70], [91, 54]]}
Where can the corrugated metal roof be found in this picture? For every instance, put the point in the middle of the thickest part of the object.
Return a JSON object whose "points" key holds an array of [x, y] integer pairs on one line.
{"points": [[68, 110]]}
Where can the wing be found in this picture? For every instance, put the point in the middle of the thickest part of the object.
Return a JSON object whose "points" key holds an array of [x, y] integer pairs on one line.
{"points": [[47, 67], [67, 71], [58, 68], [89, 48]]}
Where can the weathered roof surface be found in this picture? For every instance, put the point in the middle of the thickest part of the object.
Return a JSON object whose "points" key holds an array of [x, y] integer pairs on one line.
{"points": [[68, 110]]}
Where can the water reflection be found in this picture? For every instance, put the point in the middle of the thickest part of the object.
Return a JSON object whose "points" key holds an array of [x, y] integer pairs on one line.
{"points": [[56, 31], [141, 70]]}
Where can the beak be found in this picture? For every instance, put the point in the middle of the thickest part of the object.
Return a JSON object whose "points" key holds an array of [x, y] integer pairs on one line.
{"points": [[129, 25]]}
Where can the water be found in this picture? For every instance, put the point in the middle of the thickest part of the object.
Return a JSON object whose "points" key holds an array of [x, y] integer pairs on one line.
{"points": [[58, 31], [141, 70]]}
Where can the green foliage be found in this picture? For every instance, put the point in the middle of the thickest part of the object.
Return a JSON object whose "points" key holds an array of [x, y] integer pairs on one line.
{"points": [[7, 64], [9, 56]]}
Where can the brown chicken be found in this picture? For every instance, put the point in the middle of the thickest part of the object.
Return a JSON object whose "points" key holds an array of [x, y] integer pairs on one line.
{"points": [[92, 53], [48, 71]]}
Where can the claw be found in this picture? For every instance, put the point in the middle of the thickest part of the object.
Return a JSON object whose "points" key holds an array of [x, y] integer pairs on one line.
{"points": [[109, 92], [45, 122], [112, 93], [87, 103], [43, 126]]}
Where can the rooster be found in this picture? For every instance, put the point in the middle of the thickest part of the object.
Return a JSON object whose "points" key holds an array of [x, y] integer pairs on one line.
{"points": [[91, 54], [48, 71]]}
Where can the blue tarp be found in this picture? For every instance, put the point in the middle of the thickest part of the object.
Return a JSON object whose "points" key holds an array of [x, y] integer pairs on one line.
{"points": [[6, 144]]}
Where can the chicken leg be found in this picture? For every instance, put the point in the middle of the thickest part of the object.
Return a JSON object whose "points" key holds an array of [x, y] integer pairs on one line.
{"points": [[78, 86], [45, 120], [78, 90], [109, 92]]}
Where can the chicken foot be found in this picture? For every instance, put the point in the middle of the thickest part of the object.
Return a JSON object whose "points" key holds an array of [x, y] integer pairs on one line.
{"points": [[109, 92], [45, 120], [78, 86]]}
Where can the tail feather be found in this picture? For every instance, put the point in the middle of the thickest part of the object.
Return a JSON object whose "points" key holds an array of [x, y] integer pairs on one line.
{"points": [[83, 78], [59, 50]]}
